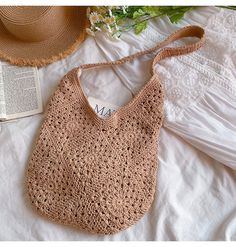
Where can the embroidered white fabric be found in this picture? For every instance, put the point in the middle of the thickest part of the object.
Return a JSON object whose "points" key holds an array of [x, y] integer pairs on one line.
{"points": [[196, 185], [201, 92]]}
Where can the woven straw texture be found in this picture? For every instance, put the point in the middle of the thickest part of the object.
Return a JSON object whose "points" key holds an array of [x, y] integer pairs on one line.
{"points": [[37, 36], [96, 174]]}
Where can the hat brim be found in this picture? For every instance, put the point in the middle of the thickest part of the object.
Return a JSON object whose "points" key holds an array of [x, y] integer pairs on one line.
{"points": [[41, 53]]}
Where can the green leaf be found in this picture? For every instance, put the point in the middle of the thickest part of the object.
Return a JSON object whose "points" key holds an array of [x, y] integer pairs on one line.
{"points": [[174, 10], [176, 7], [139, 27], [138, 13], [152, 10], [131, 9], [176, 17]]}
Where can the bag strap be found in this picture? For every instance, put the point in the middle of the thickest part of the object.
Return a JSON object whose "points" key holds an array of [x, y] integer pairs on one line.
{"points": [[189, 31]]}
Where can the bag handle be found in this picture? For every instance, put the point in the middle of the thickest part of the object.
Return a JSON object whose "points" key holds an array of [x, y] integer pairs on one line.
{"points": [[189, 31]]}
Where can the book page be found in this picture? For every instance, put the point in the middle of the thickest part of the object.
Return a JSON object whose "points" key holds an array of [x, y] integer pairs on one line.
{"points": [[2, 98], [21, 91]]}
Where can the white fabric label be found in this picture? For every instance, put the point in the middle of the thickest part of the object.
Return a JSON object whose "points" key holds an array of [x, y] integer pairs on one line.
{"points": [[102, 108]]}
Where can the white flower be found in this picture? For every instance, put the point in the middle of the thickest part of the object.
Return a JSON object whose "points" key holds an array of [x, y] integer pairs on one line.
{"points": [[94, 17], [109, 20], [90, 32]]}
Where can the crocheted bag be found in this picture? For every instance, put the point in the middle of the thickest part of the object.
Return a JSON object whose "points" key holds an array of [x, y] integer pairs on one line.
{"points": [[99, 174]]}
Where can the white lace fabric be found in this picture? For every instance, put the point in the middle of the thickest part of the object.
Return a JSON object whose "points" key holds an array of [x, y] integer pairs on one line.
{"points": [[201, 92], [200, 105]]}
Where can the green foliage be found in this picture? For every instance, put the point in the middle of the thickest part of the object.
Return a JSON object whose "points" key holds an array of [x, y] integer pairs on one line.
{"points": [[176, 17], [139, 27], [118, 19], [175, 13], [152, 11], [138, 13], [141, 14]]}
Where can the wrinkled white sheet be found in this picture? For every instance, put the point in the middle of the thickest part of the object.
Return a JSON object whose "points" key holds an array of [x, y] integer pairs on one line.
{"points": [[196, 188]]}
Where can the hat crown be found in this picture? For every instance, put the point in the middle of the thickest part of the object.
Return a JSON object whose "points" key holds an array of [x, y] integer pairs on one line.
{"points": [[23, 14], [34, 23]]}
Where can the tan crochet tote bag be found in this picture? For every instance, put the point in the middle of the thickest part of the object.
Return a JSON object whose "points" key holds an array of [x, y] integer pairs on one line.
{"points": [[98, 174]]}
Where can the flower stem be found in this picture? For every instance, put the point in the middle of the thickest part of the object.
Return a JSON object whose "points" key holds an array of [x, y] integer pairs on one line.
{"points": [[138, 22]]}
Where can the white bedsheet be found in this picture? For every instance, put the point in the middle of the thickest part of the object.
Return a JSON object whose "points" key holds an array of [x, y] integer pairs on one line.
{"points": [[196, 185]]}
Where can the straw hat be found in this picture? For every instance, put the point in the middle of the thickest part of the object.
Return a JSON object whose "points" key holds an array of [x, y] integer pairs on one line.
{"points": [[39, 35]]}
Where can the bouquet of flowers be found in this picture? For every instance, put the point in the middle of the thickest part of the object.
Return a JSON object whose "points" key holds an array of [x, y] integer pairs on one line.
{"points": [[115, 20], [118, 19]]}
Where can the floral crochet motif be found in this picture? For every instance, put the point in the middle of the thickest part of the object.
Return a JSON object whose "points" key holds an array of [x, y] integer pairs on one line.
{"points": [[99, 174]]}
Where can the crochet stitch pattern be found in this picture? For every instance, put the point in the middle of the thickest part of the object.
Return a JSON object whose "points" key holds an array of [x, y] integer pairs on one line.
{"points": [[96, 174]]}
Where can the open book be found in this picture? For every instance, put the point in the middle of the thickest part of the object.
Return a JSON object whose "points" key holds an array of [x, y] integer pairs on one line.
{"points": [[20, 94]]}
